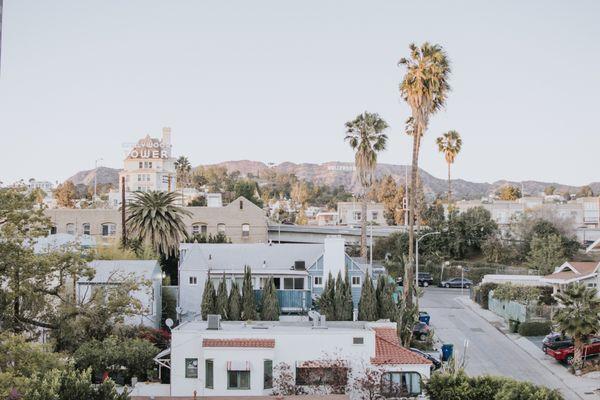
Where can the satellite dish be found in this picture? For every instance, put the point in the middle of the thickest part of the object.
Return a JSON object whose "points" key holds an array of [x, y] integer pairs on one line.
{"points": [[169, 323]]}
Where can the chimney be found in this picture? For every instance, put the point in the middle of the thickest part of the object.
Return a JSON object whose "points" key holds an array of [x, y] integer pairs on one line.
{"points": [[334, 257], [166, 140]]}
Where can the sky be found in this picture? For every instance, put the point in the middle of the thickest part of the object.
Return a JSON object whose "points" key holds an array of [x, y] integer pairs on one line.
{"points": [[275, 81]]}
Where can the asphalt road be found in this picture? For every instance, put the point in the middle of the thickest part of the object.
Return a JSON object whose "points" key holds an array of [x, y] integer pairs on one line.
{"points": [[488, 350]]}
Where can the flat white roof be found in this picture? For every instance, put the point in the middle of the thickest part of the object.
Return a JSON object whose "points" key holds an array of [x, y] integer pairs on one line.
{"points": [[278, 327]]}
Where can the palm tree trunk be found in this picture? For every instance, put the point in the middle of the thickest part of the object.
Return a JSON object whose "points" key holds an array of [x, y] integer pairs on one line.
{"points": [[449, 187], [578, 354], [363, 227], [412, 200]]}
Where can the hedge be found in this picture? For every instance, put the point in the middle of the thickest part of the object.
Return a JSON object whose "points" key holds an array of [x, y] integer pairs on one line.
{"points": [[485, 290], [534, 328]]}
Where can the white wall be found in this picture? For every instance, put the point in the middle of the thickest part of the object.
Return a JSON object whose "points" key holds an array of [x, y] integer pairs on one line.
{"points": [[334, 257]]}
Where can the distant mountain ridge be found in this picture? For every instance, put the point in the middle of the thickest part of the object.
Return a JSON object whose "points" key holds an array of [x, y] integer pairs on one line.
{"points": [[336, 173]]}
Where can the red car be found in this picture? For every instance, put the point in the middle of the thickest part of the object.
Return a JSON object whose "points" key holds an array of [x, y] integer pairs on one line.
{"points": [[566, 354]]}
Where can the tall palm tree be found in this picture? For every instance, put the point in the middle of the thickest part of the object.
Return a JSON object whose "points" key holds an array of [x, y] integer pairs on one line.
{"points": [[365, 135], [425, 88], [578, 317], [450, 144], [182, 170], [154, 218]]}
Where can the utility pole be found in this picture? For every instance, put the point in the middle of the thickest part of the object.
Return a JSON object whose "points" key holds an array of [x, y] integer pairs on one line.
{"points": [[123, 216]]}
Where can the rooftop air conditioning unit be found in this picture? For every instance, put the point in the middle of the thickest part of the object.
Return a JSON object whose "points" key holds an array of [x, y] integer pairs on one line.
{"points": [[214, 322]]}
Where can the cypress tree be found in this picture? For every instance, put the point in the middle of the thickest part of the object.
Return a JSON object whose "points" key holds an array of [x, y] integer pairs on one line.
{"points": [[367, 306], [339, 298], [222, 298], [234, 308], [209, 299], [248, 302], [385, 303], [348, 302], [327, 299], [270, 303]]}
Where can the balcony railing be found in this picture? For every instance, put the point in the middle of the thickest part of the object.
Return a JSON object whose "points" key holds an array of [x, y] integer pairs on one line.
{"points": [[290, 301]]}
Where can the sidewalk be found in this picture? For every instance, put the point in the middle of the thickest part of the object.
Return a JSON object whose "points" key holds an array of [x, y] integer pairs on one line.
{"points": [[584, 388]]}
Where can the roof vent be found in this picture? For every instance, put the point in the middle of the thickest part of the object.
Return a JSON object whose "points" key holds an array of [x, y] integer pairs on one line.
{"points": [[214, 322]]}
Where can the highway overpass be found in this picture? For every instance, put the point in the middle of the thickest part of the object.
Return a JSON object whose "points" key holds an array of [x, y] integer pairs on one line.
{"points": [[282, 233]]}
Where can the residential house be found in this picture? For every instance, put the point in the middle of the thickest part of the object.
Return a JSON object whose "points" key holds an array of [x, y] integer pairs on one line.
{"points": [[350, 213], [146, 272], [243, 359], [300, 271], [241, 221], [587, 273]]}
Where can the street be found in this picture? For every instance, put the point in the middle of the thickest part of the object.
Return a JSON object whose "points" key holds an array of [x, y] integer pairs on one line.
{"points": [[489, 351]]}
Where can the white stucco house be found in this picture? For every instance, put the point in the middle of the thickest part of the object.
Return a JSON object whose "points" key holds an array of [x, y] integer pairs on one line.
{"points": [[570, 272], [300, 271], [247, 359], [113, 272]]}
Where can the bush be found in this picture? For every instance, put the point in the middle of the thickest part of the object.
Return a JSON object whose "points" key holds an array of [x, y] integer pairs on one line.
{"points": [[459, 386], [485, 290], [534, 328]]}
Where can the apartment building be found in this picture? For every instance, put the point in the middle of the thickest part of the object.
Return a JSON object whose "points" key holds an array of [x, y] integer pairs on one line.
{"points": [[350, 213]]}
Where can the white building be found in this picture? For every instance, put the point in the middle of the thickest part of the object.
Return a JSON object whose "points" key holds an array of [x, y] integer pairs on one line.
{"points": [[146, 272], [587, 273], [249, 359], [350, 213]]}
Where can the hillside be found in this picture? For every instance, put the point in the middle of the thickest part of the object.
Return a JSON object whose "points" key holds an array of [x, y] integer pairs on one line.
{"points": [[339, 173]]}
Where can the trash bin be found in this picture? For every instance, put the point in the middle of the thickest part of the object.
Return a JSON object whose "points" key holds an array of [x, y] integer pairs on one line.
{"points": [[513, 325], [425, 318], [447, 350]]}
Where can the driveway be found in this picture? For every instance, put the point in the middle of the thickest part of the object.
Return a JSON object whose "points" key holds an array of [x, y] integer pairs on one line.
{"points": [[488, 349]]}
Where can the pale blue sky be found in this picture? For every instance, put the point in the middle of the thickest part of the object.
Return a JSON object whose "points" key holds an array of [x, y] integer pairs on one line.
{"points": [[276, 80]]}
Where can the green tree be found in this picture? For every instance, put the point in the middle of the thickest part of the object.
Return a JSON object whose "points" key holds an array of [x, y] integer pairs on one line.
{"points": [[547, 253], [509, 192], [234, 306], [270, 303], [249, 190], [386, 308], [70, 384], [549, 190], [449, 144], [327, 299], [585, 191], [578, 316], [348, 303], [183, 169], [222, 299], [154, 218], [248, 300], [343, 304], [367, 305], [425, 88], [365, 136], [209, 299]]}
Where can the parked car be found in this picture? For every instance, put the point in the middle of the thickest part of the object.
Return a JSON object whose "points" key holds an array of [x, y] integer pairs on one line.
{"points": [[421, 331], [566, 354], [556, 341], [425, 279], [435, 360], [457, 283]]}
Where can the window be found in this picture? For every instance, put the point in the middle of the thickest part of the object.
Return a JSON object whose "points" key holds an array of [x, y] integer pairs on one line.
{"points": [[86, 229], [356, 281], [141, 165], [71, 229], [241, 204], [357, 215], [293, 283], [268, 374], [299, 283], [245, 230], [191, 368], [109, 229], [238, 380], [318, 281], [358, 340], [209, 374], [221, 228], [277, 282], [53, 230], [199, 228], [374, 215], [139, 177], [400, 384], [193, 280]]}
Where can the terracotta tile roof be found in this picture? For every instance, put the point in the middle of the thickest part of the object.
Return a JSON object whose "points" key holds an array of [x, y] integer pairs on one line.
{"points": [[259, 343], [389, 351], [584, 269]]}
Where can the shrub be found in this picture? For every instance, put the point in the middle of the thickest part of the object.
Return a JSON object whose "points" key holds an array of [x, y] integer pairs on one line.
{"points": [[534, 328], [485, 290]]}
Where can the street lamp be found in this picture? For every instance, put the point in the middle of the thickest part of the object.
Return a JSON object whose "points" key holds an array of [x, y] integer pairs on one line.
{"points": [[417, 255], [96, 177]]}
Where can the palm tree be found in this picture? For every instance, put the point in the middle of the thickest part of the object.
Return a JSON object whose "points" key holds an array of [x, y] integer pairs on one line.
{"points": [[182, 170], [578, 317], [450, 144], [425, 88], [365, 136], [153, 218]]}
